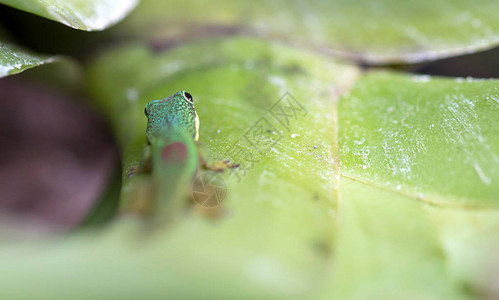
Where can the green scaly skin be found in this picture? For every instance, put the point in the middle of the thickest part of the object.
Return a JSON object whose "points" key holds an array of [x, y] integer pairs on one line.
{"points": [[173, 155], [174, 112]]}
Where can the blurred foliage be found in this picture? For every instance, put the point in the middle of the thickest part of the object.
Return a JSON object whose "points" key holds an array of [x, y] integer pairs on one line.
{"points": [[14, 59], [367, 184], [374, 32]]}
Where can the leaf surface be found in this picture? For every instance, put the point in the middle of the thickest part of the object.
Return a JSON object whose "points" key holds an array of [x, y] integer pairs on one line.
{"points": [[80, 14], [377, 32], [14, 59]]}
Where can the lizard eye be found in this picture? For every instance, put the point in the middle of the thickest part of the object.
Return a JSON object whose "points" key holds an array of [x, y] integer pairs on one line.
{"points": [[145, 111], [188, 97]]}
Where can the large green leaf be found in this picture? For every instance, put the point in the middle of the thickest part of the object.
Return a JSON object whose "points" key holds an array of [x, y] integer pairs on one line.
{"points": [[81, 14], [290, 189], [435, 140], [317, 214], [372, 31], [419, 188], [14, 59], [386, 222], [390, 246]]}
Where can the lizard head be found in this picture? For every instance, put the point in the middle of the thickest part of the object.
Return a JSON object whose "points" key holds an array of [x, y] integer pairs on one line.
{"points": [[174, 113]]}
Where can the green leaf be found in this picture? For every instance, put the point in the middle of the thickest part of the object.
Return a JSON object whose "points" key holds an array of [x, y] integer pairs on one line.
{"points": [[390, 246], [387, 219], [80, 14], [320, 212], [419, 188], [249, 251], [14, 59], [435, 140], [378, 32]]}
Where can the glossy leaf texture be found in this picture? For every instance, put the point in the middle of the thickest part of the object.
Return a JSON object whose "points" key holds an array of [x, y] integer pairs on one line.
{"points": [[419, 192], [80, 14], [376, 32], [13, 59], [434, 140]]}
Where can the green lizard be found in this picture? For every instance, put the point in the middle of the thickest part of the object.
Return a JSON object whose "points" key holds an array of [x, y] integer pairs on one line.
{"points": [[173, 154]]}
